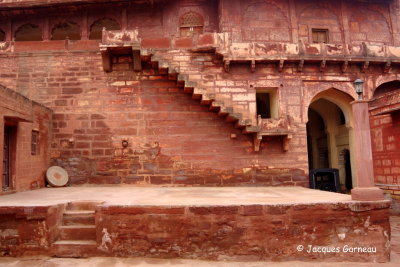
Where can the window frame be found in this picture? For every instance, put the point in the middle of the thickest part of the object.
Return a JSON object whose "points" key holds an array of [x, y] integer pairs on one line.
{"points": [[318, 32], [35, 139], [273, 101]]}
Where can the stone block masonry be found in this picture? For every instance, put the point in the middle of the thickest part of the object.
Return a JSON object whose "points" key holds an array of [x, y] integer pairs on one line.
{"points": [[236, 223], [254, 232], [242, 47], [25, 170], [172, 139], [28, 231]]}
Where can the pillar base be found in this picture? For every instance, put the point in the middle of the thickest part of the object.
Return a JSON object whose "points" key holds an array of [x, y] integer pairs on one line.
{"points": [[367, 194]]}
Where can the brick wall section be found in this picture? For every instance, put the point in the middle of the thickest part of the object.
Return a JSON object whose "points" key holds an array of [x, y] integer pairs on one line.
{"points": [[350, 22], [291, 21], [29, 170], [28, 231], [244, 232], [94, 111], [172, 138], [385, 134]]}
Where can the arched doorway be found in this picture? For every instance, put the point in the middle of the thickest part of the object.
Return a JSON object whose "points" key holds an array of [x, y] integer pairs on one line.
{"points": [[384, 109], [329, 135]]}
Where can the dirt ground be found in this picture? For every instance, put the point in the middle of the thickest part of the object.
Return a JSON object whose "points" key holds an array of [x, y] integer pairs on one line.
{"points": [[145, 262]]}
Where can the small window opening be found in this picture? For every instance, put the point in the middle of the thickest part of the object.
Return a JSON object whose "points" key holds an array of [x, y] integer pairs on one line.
{"points": [[190, 24], [97, 27], [28, 32], [266, 101], [35, 143], [64, 30], [2, 36], [320, 36], [263, 105]]}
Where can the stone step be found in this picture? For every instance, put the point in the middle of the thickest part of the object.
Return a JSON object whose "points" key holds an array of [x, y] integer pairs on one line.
{"points": [[78, 217], [78, 232], [82, 205], [233, 117], [224, 111], [207, 99], [188, 90], [75, 248]]}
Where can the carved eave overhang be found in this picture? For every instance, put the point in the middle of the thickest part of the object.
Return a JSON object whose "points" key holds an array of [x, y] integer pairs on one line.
{"points": [[387, 103], [323, 54], [120, 42], [29, 4]]}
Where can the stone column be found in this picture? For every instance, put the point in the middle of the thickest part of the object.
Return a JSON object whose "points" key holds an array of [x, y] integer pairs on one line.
{"points": [[365, 190]]}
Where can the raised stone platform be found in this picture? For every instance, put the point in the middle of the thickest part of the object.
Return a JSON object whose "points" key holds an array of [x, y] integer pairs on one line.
{"points": [[241, 223]]}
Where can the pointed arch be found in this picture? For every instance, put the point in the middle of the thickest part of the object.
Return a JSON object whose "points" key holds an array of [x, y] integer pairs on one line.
{"points": [[28, 32], [264, 21], [366, 20], [326, 146], [387, 87], [191, 23], [97, 27], [67, 29]]}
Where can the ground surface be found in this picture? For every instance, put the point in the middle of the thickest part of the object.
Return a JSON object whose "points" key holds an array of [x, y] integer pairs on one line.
{"points": [[140, 262], [174, 196]]}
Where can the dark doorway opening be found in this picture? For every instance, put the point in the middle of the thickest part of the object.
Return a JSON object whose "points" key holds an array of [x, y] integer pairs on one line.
{"points": [[263, 105], [9, 148], [317, 141], [347, 170]]}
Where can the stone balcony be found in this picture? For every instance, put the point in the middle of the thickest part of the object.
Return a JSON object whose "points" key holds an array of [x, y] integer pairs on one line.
{"points": [[300, 53], [273, 127], [288, 51]]}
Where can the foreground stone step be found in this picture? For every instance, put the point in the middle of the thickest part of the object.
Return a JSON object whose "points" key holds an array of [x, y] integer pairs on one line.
{"points": [[79, 217], [82, 205], [78, 232], [75, 248]]}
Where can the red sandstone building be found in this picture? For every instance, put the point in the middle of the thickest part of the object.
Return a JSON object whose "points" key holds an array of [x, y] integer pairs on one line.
{"points": [[201, 93]]}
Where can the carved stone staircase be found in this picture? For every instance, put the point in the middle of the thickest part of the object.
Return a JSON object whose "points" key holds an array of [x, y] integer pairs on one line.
{"points": [[207, 96], [77, 231], [221, 103]]}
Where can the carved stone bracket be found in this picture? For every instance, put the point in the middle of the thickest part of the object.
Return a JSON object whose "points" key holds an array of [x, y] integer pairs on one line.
{"points": [[257, 141], [253, 66], [257, 136], [300, 66], [226, 65], [345, 66], [365, 66], [106, 60], [286, 142], [322, 66], [387, 67], [137, 62], [280, 66]]}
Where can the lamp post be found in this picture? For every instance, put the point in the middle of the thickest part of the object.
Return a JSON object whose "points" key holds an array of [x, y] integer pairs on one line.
{"points": [[365, 189], [358, 85]]}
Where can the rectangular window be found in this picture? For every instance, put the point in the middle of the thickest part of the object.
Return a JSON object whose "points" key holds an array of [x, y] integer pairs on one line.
{"points": [[267, 103], [35, 143], [320, 36]]}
